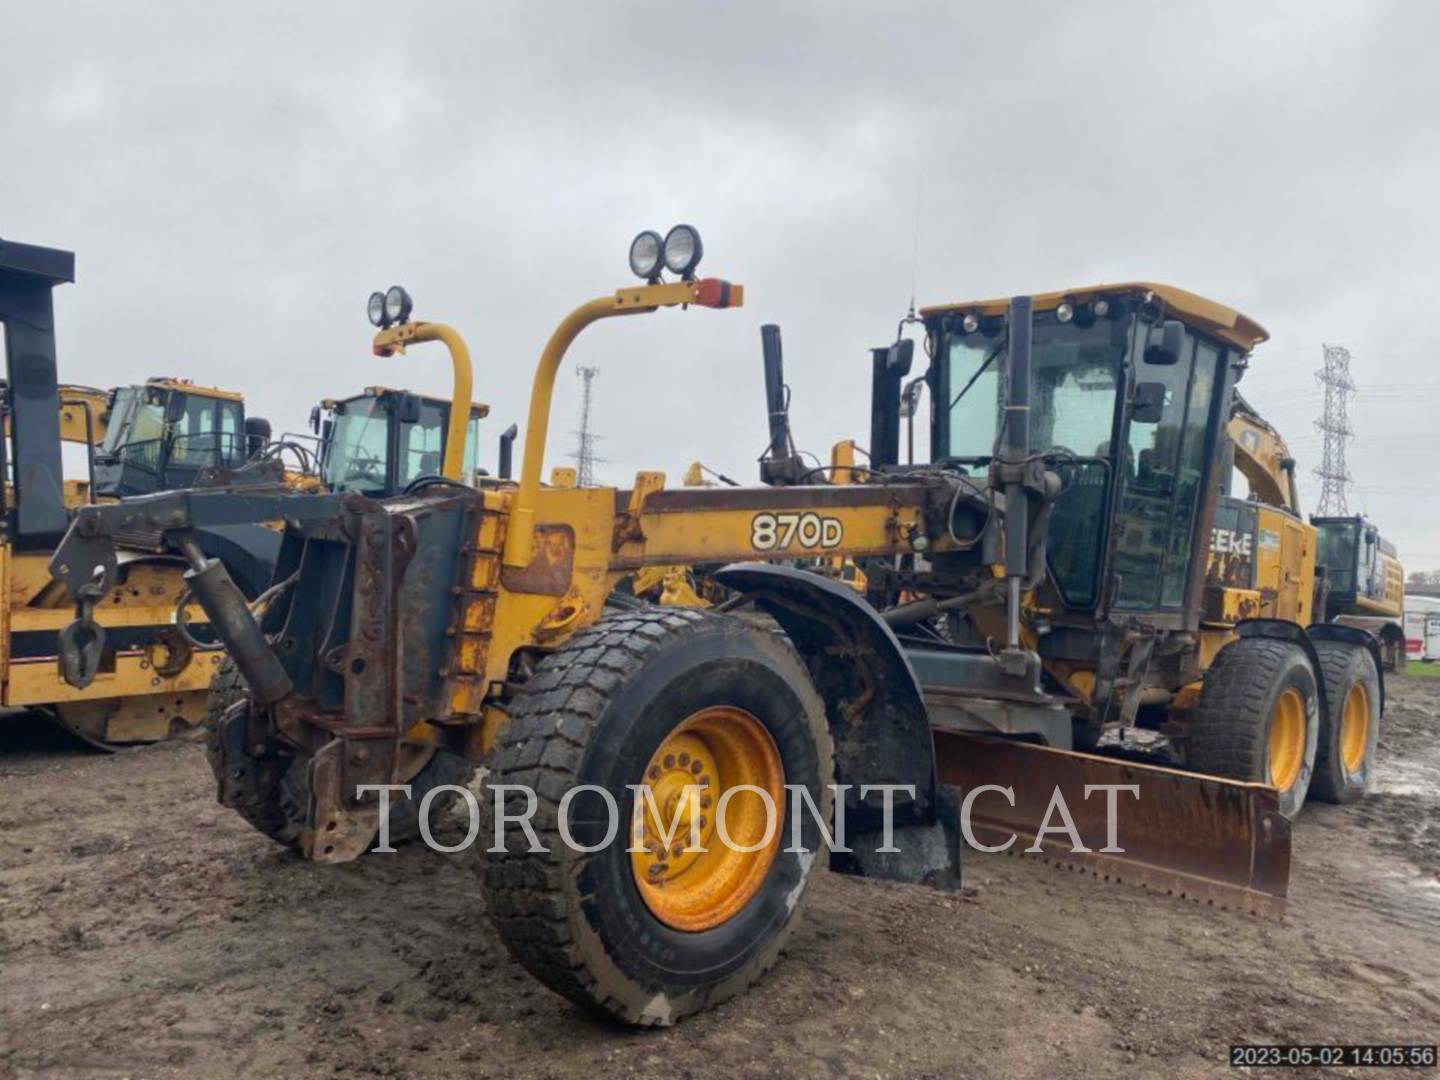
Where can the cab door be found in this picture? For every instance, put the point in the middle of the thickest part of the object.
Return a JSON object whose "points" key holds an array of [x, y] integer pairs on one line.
{"points": [[1161, 472]]}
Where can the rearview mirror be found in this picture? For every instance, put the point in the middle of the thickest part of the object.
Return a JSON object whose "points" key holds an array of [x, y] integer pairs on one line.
{"points": [[315, 419], [900, 356], [1149, 404], [1167, 350]]}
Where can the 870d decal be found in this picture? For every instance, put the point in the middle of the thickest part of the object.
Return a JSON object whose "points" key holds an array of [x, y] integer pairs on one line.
{"points": [[776, 532]]}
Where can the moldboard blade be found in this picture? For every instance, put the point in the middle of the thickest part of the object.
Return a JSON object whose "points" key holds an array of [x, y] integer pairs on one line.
{"points": [[1201, 838]]}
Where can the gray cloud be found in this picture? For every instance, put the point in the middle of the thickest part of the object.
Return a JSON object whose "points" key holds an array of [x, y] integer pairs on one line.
{"points": [[235, 182]]}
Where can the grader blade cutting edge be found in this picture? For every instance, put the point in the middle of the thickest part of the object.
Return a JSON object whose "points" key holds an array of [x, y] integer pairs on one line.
{"points": [[1202, 838]]}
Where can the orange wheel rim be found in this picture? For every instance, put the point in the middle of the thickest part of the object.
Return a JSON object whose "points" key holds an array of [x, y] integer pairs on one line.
{"points": [[1287, 740], [1355, 728], [697, 887]]}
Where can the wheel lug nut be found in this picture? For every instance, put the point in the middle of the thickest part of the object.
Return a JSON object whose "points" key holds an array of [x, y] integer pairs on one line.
{"points": [[676, 851], [669, 761], [684, 759], [695, 767], [705, 802], [654, 772]]}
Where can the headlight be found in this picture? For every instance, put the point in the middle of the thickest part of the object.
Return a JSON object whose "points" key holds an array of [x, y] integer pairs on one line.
{"points": [[397, 305], [1065, 312], [646, 254], [376, 309], [683, 250], [971, 322]]}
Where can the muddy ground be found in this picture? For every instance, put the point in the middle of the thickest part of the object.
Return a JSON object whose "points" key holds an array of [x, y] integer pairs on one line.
{"points": [[146, 932]]}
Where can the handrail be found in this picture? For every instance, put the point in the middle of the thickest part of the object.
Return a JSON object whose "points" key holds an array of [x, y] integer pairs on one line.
{"points": [[393, 340], [710, 292]]}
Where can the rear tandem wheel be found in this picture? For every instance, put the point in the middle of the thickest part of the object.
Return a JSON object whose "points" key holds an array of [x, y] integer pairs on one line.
{"points": [[1258, 718]]}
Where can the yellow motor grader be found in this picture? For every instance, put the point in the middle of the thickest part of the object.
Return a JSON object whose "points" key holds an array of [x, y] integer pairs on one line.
{"points": [[1059, 533]]}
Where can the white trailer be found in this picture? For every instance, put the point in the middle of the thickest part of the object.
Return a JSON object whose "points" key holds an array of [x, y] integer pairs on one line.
{"points": [[1422, 628]]}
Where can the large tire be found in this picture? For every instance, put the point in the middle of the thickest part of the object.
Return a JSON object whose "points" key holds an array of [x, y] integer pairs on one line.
{"points": [[1259, 718], [273, 793], [590, 925], [1350, 732]]}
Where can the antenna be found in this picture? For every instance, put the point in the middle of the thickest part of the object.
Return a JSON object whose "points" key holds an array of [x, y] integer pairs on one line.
{"points": [[1335, 426], [584, 455], [915, 250]]}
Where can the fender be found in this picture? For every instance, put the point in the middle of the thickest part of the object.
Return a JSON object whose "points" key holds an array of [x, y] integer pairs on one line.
{"points": [[875, 710], [1353, 635], [1296, 634]]}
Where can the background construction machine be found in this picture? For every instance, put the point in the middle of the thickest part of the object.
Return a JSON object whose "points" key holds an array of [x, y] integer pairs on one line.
{"points": [[1059, 533], [381, 441], [153, 676], [1364, 582], [1359, 580], [169, 433]]}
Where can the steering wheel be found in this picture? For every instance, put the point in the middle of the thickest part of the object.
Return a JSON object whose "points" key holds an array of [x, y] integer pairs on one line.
{"points": [[369, 468]]}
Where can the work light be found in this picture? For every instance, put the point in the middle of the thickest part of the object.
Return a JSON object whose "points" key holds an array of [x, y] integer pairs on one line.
{"points": [[1102, 308], [970, 323], [646, 255], [683, 250], [1065, 312], [376, 309], [397, 305]]}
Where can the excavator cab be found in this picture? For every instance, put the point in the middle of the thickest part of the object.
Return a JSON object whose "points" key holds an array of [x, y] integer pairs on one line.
{"points": [[165, 433], [382, 441]]}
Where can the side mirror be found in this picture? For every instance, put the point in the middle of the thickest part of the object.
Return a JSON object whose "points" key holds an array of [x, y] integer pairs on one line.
{"points": [[257, 435], [1167, 350], [1149, 404], [315, 419], [900, 357], [407, 409]]}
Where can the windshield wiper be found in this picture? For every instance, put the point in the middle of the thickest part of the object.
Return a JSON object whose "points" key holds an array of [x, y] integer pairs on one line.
{"points": [[989, 359]]}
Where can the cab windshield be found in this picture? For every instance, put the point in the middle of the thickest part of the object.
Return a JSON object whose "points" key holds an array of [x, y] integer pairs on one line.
{"points": [[359, 448], [133, 419], [359, 453], [1076, 373]]}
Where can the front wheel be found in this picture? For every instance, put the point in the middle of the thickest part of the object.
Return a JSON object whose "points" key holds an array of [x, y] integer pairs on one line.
{"points": [[712, 715]]}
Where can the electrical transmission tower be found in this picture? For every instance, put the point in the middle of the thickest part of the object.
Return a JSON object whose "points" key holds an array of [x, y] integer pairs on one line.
{"points": [[584, 455], [1335, 426]]}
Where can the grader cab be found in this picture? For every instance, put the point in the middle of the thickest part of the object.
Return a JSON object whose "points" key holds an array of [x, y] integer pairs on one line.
{"points": [[1039, 581], [169, 433]]}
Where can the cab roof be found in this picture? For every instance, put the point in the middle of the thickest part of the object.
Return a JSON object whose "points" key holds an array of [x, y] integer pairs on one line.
{"points": [[477, 409], [185, 386], [1225, 323]]}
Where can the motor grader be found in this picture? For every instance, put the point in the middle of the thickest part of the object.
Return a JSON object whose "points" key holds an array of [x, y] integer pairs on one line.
{"points": [[1059, 532]]}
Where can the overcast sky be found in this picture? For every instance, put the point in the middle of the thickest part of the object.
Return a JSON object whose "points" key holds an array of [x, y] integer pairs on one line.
{"points": [[235, 180]]}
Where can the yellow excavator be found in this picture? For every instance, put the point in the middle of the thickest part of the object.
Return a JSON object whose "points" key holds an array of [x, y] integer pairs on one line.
{"points": [[1042, 581], [1360, 580]]}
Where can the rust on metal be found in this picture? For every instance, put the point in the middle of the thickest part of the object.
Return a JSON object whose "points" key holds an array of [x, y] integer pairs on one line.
{"points": [[1201, 838], [552, 562]]}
